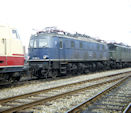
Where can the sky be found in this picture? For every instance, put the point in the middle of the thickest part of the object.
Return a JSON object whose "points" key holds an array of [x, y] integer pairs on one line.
{"points": [[108, 20]]}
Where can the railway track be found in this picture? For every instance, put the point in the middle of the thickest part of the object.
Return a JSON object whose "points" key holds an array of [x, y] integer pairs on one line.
{"points": [[31, 80], [111, 100], [128, 109], [30, 100], [27, 80], [7, 84]]}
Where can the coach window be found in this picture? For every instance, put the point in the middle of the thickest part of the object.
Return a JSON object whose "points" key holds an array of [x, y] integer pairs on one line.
{"points": [[128, 50], [61, 44], [72, 44], [81, 45]]}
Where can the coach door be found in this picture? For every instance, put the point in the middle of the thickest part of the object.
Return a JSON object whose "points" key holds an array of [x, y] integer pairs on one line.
{"points": [[2, 51]]}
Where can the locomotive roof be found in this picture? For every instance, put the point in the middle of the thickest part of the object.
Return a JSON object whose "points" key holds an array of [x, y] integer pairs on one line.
{"points": [[88, 39]]}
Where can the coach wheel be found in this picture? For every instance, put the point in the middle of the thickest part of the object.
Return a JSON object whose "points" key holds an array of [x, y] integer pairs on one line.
{"points": [[14, 77], [10, 78]]}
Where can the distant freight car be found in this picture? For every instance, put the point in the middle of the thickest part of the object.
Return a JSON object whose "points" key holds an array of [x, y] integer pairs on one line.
{"points": [[120, 55], [11, 54]]}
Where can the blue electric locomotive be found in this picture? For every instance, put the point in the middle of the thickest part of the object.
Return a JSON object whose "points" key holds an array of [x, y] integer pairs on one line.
{"points": [[53, 52]]}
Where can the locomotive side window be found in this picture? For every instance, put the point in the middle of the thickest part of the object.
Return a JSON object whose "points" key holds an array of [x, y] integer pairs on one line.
{"points": [[103, 47], [72, 44], [81, 45], [61, 44], [67, 44], [88, 46], [31, 43], [98, 46], [15, 35]]}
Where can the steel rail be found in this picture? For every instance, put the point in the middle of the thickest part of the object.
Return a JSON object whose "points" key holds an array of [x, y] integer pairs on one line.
{"points": [[57, 87], [79, 108], [38, 102], [128, 109]]}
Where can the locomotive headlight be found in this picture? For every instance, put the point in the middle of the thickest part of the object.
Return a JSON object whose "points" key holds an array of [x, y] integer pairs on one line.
{"points": [[45, 57], [35, 58]]}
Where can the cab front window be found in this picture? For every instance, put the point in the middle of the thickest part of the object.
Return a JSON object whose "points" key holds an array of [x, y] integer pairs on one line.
{"points": [[39, 42], [43, 42]]}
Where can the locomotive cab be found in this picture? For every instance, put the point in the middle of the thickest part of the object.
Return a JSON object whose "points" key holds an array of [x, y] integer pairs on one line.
{"points": [[38, 47], [11, 53], [42, 49]]}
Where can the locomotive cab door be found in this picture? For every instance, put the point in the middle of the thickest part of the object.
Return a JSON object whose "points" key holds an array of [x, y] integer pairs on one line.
{"points": [[2, 52], [61, 49], [63, 66]]}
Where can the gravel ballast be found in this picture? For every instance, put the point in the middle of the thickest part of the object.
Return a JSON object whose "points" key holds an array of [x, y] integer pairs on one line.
{"points": [[64, 104]]}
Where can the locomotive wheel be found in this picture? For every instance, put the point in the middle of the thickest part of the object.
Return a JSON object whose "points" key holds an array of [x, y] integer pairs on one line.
{"points": [[53, 74], [86, 71], [117, 65], [43, 74], [75, 72]]}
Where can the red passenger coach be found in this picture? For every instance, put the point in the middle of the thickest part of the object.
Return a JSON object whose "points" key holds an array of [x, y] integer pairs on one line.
{"points": [[11, 54]]}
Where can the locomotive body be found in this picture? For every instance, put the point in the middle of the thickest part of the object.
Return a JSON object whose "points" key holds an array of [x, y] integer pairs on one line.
{"points": [[11, 53], [51, 53]]}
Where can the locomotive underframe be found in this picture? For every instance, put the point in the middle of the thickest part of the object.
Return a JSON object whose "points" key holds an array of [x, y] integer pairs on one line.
{"points": [[50, 68], [11, 73]]}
